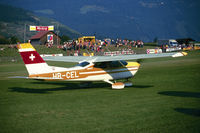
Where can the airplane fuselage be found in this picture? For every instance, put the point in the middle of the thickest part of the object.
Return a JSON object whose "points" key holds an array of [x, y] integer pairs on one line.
{"points": [[89, 73]]}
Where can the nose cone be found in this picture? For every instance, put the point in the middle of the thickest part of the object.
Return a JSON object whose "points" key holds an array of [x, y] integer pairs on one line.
{"points": [[132, 64]]}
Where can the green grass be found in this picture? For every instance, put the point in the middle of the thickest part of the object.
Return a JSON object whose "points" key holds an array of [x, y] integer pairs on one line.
{"points": [[165, 97]]}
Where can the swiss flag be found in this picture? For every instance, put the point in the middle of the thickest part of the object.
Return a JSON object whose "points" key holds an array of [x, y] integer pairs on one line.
{"points": [[31, 57]]}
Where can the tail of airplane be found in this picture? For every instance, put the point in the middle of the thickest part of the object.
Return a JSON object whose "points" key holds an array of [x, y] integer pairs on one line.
{"points": [[32, 60]]}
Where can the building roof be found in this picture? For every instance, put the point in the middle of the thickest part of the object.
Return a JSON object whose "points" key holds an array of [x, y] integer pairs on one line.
{"points": [[40, 34]]}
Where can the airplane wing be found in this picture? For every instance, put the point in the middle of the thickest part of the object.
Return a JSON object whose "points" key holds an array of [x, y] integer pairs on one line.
{"points": [[110, 58]]}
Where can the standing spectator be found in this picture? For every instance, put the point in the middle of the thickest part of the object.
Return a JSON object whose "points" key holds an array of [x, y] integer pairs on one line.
{"points": [[142, 44]]}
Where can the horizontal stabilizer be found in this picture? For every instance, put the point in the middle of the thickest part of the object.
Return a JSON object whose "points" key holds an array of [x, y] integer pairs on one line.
{"points": [[45, 78], [19, 77]]}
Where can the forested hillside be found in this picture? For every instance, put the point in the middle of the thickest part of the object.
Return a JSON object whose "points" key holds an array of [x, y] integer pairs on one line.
{"points": [[14, 22]]}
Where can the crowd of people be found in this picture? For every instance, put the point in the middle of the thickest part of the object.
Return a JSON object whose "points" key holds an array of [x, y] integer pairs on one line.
{"points": [[133, 43], [98, 45]]}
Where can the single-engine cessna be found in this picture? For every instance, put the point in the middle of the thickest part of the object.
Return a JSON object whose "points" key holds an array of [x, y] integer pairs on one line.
{"points": [[96, 68]]}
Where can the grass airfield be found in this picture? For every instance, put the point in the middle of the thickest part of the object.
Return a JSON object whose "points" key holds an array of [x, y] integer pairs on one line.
{"points": [[165, 97]]}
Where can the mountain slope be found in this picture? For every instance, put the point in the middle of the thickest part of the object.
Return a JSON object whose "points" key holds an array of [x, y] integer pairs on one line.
{"points": [[132, 19], [14, 20]]}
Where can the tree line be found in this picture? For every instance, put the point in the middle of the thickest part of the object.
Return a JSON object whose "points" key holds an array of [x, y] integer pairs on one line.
{"points": [[15, 40], [11, 40]]}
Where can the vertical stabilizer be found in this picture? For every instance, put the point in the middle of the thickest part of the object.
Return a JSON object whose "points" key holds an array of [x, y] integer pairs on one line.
{"points": [[32, 60]]}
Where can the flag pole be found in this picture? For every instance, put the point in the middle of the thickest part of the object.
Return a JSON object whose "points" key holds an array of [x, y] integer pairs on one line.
{"points": [[24, 32]]}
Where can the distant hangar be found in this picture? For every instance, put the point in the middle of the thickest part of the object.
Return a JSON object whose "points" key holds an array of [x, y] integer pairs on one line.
{"points": [[45, 37]]}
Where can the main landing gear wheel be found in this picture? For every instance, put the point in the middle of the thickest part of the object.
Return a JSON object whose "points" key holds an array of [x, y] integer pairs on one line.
{"points": [[118, 85]]}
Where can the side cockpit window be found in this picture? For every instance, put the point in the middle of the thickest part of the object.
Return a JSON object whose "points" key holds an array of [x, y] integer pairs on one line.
{"points": [[110, 64], [83, 64], [101, 64]]}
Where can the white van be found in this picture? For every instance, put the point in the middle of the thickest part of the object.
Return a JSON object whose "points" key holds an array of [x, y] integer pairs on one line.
{"points": [[169, 42]]}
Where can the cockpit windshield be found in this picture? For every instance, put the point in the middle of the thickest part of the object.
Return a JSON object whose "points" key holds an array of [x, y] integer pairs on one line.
{"points": [[124, 63], [83, 64]]}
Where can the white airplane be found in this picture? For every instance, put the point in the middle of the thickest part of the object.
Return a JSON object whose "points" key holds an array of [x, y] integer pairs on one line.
{"points": [[96, 68]]}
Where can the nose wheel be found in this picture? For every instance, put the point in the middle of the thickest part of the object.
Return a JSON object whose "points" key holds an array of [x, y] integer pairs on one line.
{"points": [[128, 84]]}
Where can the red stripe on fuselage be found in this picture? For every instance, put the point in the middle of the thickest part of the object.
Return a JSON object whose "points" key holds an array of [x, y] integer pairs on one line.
{"points": [[31, 57]]}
